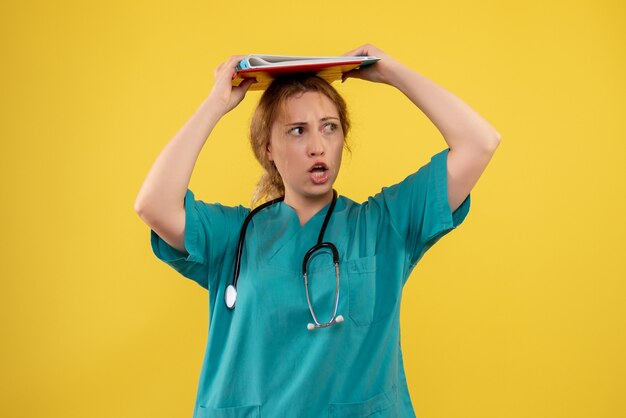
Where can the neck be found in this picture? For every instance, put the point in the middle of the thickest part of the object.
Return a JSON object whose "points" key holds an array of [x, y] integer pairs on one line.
{"points": [[306, 207]]}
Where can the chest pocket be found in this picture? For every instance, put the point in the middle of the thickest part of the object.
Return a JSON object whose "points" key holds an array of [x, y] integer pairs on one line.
{"points": [[371, 297]]}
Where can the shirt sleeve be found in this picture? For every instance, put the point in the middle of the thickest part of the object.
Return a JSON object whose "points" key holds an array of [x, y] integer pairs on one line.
{"points": [[419, 210], [209, 231]]}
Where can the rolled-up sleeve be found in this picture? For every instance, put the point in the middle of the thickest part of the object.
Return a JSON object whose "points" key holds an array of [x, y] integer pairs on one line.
{"points": [[209, 229], [419, 210]]}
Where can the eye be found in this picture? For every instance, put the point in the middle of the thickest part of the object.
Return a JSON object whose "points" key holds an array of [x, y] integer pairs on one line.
{"points": [[297, 130], [330, 127]]}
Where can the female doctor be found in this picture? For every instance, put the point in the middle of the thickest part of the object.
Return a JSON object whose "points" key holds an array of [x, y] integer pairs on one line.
{"points": [[304, 293]]}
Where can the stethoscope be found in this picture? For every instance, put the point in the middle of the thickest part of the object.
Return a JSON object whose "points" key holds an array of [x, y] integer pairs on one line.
{"points": [[230, 296]]}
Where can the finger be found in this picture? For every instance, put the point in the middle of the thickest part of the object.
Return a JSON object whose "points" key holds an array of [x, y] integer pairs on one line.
{"points": [[218, 70], [234, 60], [237, 57], [356, 52], [229, 65]]}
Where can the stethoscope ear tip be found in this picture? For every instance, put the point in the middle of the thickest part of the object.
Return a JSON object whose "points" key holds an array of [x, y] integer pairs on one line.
{"points": [[339, 318]]}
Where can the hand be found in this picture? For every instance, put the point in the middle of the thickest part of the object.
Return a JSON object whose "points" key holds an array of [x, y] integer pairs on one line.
{"points": [[223, 93], [379, 72]]}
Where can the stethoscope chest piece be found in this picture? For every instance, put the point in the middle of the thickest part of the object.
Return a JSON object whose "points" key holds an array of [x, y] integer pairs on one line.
{"points": [[230, 296]]}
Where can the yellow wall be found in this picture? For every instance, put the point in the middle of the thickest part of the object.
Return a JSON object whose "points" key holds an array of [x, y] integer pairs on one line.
{"points": [[518, 313]]}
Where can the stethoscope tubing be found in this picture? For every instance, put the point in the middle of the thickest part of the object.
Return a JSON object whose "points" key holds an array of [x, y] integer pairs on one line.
{"points": [[242, 235], [230, 295]]}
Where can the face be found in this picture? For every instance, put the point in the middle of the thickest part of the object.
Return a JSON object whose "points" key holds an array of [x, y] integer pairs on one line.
{"points": [[306, 146]]}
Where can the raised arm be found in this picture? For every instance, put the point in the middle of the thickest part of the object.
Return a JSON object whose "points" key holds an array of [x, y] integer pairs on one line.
{"points": [[471, 139], [160, 202]]}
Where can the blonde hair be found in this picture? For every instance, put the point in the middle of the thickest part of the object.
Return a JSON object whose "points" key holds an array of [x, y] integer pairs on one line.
{"points": [[271, 186]]}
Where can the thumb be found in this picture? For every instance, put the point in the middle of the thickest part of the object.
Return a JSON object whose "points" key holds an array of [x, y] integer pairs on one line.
{"points": [[245, 84], [239, 92], [351, 74]]}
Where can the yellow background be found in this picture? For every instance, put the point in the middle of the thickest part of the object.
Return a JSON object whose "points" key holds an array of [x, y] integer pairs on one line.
{"points": [[518, 313]]}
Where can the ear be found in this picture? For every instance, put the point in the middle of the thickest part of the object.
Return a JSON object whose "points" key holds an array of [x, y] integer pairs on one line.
{"points": [[268, 152]]}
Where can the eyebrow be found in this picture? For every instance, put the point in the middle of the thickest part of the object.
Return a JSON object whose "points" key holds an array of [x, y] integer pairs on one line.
{"points": [[324, 119]]}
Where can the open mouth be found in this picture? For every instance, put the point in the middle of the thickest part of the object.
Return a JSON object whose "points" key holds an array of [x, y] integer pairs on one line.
{"points": [[318, 169], [319, 173]]}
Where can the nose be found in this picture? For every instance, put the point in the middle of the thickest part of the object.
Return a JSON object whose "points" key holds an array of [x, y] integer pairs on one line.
{"points": [[316, 145]]}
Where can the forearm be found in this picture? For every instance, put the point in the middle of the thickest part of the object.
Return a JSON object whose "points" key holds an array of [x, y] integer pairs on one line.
{"points": [[459, 124], [165, 185]]}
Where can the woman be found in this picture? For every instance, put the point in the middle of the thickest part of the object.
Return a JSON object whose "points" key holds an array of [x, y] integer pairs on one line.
{"points": [[331, 347]]}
